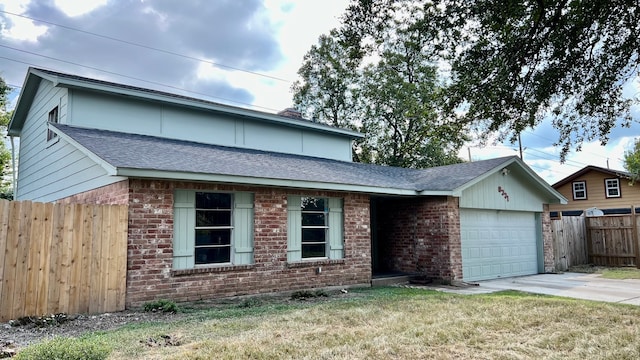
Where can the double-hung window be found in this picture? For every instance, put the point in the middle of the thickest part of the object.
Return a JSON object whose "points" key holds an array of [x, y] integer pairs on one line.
{"points": [[53, 119], [612, 187], [579, 190], [315, 228], [212, 228]]}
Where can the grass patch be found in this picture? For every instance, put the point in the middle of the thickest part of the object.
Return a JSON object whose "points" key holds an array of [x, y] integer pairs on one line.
{"points": [[390, 322], [620, 273], [65, 348]]}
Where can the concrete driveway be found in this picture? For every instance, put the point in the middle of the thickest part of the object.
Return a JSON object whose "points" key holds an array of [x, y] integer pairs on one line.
{"points": [[573, 285]]}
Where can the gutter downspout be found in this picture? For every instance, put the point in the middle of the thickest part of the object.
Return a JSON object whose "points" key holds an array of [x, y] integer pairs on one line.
{"points": [[13, 168]]}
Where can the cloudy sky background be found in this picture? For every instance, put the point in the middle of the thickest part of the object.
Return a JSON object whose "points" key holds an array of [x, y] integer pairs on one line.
{"points": [[243, 53]]}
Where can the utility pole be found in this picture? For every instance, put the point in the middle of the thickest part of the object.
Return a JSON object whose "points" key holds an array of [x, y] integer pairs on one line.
{"points": [[520, 146]]}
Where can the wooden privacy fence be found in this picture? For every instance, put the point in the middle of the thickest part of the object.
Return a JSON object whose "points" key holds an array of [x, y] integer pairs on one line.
{"points": [[570, 247], [61, 258], [612, 240]]}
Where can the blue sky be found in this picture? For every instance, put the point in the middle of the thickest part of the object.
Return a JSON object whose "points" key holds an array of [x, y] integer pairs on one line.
{"points": [[244, 53]]}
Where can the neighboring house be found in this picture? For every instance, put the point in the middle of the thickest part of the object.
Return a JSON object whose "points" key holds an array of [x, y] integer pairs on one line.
{"points": [[225, 201], [594, 187]]}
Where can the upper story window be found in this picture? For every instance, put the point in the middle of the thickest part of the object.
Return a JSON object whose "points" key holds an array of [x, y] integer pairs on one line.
{"points": [[579, 190], [612, 187], [53, 118]]}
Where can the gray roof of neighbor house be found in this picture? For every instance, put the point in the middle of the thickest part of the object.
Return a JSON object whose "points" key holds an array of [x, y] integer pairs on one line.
{"points": [[36, 75], [147, 156]]}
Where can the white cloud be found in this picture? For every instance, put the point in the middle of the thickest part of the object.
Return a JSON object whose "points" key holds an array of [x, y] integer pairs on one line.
{"points": [[75, 8], [20, 29]]}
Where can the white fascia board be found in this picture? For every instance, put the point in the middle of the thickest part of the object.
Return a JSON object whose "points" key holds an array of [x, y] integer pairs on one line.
{"points": [[110, 169], [203, 105], [176, 175]]}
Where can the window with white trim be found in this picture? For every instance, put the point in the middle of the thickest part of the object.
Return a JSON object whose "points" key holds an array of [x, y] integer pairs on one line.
{"points": [[315, 228], [612, 187], [579, 190], [53, 119], [212, 228]]}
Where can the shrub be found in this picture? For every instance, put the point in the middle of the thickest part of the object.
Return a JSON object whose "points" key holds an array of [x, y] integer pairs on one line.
{"points": [[64, 349], [162, 305]]}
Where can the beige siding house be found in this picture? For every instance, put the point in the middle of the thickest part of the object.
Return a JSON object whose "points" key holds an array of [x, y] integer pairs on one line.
{"points": [[595, 187]]}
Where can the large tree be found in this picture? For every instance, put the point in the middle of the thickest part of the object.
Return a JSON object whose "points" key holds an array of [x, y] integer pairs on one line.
{"points": [[632, 161], [512, 64], [390, 98]]}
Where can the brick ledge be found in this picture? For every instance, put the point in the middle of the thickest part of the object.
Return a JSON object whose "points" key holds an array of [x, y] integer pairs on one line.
{"points": [[215, 269], [312, 263]]}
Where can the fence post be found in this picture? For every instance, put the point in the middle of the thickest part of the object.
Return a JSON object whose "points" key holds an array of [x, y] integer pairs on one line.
{"points": [[587, 229], [634, 230]]}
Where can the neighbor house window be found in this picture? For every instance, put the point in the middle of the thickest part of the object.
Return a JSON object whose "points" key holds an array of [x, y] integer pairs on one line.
{"points": [[612, 187], [53, 119], [579, 190], [314, 228], [212, 228]]}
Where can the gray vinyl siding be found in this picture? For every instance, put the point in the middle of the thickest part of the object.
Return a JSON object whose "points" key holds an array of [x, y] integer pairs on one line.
{"points": [[107, 112], [50, 170]]}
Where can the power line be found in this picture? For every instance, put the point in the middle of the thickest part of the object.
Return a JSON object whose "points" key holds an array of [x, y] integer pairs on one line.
{"points": [[125, 76], [148, 47]]}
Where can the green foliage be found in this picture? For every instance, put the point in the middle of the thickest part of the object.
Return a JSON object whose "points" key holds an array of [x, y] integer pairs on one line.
{"points": [[632, 161], [511, 64], [392, 100], [65, 349], [161, 305], [6, 191]]}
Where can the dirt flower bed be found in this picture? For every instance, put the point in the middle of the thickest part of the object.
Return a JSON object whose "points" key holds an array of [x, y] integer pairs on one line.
{"points": [[22, 332]]}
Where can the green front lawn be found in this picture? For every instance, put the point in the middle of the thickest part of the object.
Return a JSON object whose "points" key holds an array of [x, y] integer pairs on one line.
{"points": [[390, 323]]}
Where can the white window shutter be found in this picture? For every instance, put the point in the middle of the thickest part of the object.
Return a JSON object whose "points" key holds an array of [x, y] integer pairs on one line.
{"points": [[336, 237], [184, 223], [243, 228], [294, 228]]}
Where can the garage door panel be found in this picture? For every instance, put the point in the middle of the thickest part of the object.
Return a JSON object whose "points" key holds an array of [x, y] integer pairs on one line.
{"points": [[497, 244]]}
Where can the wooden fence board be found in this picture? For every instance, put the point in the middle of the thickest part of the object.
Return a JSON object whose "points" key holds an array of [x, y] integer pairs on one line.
{"points": [[61, 258], [613, 240], [24, 230], [5, 205], [45, 261], [569, 242], [35, 253]]}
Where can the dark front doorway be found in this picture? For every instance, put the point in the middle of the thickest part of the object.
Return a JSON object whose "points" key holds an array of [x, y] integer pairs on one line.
{"points": [[392, 229]]}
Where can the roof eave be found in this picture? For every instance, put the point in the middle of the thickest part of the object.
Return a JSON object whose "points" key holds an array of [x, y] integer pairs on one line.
{"points": [[248, 180], [25, 99], [553, 196], [196, 104]]}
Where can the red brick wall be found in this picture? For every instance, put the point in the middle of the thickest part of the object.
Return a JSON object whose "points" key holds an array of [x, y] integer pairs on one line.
{"points": [[150, 275], [420, 235], [116, 194]]}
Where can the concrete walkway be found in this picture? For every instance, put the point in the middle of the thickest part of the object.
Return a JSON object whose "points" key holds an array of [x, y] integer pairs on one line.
{"points": [[573, 285]]}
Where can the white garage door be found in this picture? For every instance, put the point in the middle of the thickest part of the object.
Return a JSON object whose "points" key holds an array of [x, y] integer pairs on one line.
{"points": [[497, 244]]}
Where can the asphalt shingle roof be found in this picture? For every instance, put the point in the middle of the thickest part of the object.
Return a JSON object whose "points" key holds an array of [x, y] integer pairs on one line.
{"points": [[133, 151]]}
